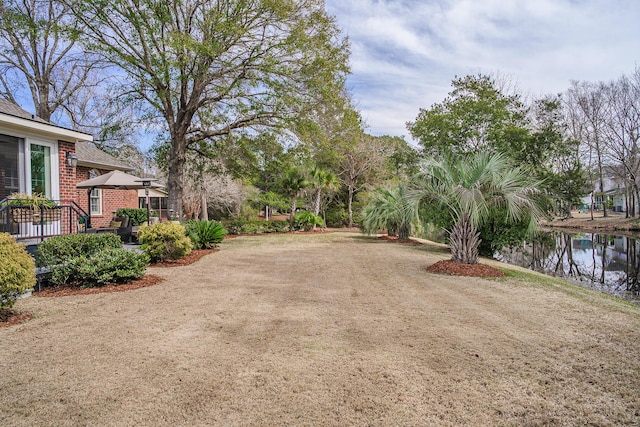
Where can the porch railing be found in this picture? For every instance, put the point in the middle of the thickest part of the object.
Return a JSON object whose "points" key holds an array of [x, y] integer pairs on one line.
{"points": [[26, 223]]}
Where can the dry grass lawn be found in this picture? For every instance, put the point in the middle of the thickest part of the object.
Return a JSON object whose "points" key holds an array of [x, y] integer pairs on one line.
{"points": [[332, 329]]}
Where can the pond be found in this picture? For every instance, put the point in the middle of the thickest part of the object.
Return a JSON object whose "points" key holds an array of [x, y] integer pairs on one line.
{"points": [[605, 262]]}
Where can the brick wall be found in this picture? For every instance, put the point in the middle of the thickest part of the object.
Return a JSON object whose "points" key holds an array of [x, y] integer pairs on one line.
{"points": [[112, 200], [68, 178]]}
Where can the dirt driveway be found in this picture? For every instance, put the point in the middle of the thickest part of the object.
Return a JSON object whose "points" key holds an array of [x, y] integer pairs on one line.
{"points": [[333, 329]]}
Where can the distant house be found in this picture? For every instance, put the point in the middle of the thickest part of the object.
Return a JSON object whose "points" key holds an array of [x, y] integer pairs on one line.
{"points": [[614, 195], [158, 198], [37, 156]]}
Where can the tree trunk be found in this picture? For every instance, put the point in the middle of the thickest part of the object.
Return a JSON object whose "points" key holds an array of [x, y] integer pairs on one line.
{"points": [[603, 194], [292, 213], [316, 208], [403, 232], [350, 210], [175, 180], [204, 211], [464, 241]]}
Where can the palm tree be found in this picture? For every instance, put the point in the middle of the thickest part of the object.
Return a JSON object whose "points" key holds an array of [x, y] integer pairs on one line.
{"points": [[320, 181], [390, 210], [293, 182], [470, 188]]}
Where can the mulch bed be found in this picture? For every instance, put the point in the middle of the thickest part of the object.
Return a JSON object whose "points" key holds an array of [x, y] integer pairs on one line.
{"points": [[185, 260], [143, 282], [63, 291], [12, 317], [459, 269]]}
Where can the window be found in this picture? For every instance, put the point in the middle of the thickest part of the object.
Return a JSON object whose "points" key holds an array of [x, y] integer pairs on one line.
{"points": [[96, 202], [9, 155], [95, 197], [41, 170]]}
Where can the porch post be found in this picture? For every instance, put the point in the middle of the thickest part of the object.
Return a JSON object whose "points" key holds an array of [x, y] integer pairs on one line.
{"points": [[88, 224]]}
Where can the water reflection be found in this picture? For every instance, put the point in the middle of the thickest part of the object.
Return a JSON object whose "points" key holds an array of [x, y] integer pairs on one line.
{"points": [[608, 263]]}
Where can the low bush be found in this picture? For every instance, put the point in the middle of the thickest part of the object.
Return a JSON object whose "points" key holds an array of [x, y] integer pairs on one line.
{"points": [[104, 267], [164, 240], [89, 260], [17, 271], [240, 226], [305, 220], [137, 216], [337, 218], [59, 249], [205, 234]]}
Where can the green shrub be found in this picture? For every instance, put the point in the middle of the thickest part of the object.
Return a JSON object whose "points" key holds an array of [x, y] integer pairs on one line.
{"points": [[137, 216], [277, 226], [240, 226], [305, 220], [17, 271], [337, 217], [205, 234], [104, 267], [59, 249], [164, 240]]}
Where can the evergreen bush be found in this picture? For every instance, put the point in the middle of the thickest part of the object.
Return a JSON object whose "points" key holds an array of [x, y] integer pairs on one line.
{"points": [[89, 260], [164, 240], [17, 271], [59, 249], [137, 216], [240, 226], [104, 267]]}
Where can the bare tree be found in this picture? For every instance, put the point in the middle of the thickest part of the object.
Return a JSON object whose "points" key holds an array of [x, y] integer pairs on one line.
{"points": [[588, 103], [623, 133], [358, 165], [39, 50]]}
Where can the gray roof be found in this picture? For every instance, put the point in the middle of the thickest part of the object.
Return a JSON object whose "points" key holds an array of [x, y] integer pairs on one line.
{"points": [[8, 107], [89, 155]]}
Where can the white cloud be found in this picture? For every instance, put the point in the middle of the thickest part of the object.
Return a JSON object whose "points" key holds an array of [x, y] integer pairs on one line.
{"points": [[406, 52]]}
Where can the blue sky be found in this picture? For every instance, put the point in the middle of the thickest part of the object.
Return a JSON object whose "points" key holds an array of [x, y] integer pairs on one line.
{"points": [[406, 52]]}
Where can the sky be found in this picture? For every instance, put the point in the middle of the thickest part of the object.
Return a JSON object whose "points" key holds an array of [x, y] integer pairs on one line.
{"points": [[405, 53]]}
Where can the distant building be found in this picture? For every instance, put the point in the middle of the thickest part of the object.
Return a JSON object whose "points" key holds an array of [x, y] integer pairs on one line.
{"points": [[614, 195]]}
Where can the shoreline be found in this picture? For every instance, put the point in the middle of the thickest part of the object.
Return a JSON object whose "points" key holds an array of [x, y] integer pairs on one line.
{"points": [[582, 221]]}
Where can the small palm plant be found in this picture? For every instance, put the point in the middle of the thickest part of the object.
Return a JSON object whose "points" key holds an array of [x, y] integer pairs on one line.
{"points": [[307, 221], [322, 181], [205, 234], [292, 183], [469, 189], [390, 210]]}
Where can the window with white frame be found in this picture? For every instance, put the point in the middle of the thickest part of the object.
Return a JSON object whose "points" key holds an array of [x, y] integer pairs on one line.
{"points": [[9, 165], [95, 197]]}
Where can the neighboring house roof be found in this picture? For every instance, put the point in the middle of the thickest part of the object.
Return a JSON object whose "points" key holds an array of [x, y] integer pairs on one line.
{"points": [[13, 116], [91, 156]]}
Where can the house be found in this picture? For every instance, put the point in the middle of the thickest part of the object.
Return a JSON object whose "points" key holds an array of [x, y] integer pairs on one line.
{"points": [[101, 204], [158, 199], [37, 156], [614, 195]]}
